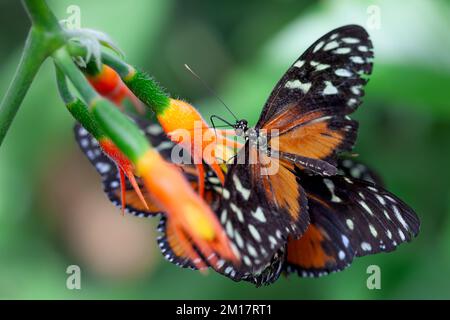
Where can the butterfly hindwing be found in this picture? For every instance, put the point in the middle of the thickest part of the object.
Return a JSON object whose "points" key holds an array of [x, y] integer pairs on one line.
{"points": [[349, 217], [90, 147], [357, 170]]}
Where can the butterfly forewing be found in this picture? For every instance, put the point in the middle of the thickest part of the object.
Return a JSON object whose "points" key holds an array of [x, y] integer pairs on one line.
{"points": [[310, 104], [329, 74], [256, 217]]}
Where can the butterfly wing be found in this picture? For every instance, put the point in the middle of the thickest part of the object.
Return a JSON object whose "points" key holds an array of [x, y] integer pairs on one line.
{"points": [[349, 217], [310, 104]]}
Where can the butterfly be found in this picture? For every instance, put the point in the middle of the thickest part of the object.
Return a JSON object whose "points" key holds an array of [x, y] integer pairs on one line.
{"points": [[351, 214], [303, 126]]}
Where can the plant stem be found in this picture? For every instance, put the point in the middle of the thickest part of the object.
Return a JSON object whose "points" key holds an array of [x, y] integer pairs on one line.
{"points": [[64, 61], [44, 37], [76, 107], [34, 54], [41, 16]]}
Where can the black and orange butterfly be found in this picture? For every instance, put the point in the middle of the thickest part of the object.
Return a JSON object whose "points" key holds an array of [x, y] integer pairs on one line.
{"points": [[350, 215], [303, 126]]}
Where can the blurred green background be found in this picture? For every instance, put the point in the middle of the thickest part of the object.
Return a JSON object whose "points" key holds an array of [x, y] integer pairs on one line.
{"points": [[53, 212]]}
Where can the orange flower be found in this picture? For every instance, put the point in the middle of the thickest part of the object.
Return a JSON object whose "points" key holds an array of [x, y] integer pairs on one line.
{"points": [[125, 167], [186, 127]]}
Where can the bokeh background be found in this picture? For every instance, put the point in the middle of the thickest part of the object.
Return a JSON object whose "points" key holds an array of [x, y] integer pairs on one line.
{"points": [[53, 212]]}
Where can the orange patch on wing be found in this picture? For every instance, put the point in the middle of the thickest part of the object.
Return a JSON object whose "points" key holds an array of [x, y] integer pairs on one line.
{"points": [[289, 119], [307, 252], [174, 241], [280, 185], [314, 140]]}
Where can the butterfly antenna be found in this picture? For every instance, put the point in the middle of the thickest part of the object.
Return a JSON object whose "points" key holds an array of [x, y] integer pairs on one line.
{"points": [[210, 89]]}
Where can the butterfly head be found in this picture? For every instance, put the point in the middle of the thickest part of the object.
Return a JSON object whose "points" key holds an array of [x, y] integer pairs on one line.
{"points": [[241, 127]]}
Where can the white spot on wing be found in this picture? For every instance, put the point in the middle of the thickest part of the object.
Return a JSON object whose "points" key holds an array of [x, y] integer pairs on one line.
{"points": [[363, 48], [239, 187], [345, 241], [238, 212], [366, 207], [331, 45], [373, 231], [259, 214], [252, 250], [380, 199], [357, 59], [103, 167], [399, 217], [342, 50], [350, 224], [223, 216], [330, 186], [356, 90], [229, 229], [84, 143], [278, 234], [82, 131], [350, 40], [297, 84], [299, 63], [401, 234], [343, 73], [255, 234], [329, 88], [318, 46], [389, 234], [239, 240], [366, 246], [273, 241]]}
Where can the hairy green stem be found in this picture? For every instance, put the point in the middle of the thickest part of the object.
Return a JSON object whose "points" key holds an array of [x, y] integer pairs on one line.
{"points": [[140, 83]]}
